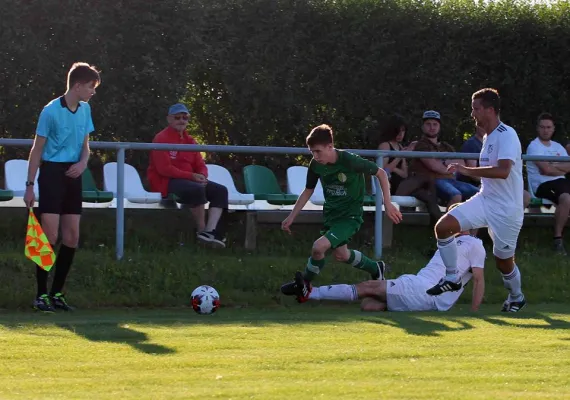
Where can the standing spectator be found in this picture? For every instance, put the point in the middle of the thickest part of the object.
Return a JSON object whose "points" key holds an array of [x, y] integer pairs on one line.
{"points": [[185, 175], [547, 178]]}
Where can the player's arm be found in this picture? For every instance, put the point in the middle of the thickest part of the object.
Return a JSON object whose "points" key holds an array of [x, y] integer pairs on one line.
{"points": [[478, 287], [43, 130], [501, 171], [35, 157], [85, 151]]}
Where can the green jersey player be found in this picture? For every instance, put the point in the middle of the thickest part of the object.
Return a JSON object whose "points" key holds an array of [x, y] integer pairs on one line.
{"points": [[342, 175]]}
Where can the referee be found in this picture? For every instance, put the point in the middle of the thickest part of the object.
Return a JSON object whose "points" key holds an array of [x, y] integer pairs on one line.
{"points": [[60, 152]]}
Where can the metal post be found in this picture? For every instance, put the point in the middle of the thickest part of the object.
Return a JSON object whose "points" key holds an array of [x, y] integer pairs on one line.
{"points": [[120, 242], [379, 214]]}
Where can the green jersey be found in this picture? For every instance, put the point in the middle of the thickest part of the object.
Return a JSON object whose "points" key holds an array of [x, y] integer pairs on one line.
{"points": [[343, 185]]}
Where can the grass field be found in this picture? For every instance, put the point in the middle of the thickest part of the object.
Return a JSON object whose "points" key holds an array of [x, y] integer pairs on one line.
{"points": [[298, 351]]}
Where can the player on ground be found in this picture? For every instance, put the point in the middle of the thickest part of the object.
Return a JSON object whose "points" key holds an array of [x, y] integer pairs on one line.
{"points": [[60, 152], [408, 292], [342, 176], [498, 205]]}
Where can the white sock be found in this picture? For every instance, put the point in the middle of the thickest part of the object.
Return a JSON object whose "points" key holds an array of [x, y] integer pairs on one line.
{"points": [[512, 282], [448, 250], [334, 292]]}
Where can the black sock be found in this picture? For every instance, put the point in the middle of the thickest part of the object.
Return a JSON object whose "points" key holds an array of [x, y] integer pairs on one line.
{"points": [[42, 280], [62, 266], [557, 238]]}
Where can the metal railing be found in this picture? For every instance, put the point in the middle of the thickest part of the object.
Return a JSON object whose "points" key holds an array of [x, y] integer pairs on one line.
{"points": [[379, 155]]}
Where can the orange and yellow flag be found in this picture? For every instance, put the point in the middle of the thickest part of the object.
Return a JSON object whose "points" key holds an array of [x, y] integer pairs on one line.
{"points": [[37, 246]]}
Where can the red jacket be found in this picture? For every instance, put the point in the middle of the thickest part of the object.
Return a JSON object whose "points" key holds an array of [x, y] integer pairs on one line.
{"points": [[165, 164]]}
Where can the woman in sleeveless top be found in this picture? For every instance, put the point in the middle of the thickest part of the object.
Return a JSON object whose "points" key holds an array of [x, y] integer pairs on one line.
{"points": [[391, 139]]}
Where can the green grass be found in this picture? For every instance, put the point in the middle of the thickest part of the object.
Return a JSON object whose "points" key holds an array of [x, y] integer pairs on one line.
{"points": [[299, 351], [163, 264]]}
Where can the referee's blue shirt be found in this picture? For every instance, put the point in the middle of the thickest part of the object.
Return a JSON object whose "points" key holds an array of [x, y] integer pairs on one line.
{"points": [[64, 130]]}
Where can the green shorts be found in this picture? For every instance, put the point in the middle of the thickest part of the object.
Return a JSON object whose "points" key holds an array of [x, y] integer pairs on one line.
{"points": [[341, 231]]}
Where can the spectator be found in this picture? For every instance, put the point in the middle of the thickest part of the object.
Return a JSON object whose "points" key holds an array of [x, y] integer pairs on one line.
{"points": [[391, 138], [185, 175], [447, 187], [420, 187], [472, 145], [546, 178]]}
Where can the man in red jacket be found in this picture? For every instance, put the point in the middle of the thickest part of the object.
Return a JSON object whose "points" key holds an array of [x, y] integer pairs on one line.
{"points": [[185, 175]]}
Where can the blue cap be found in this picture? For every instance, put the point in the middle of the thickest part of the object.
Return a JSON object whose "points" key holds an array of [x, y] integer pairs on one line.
{"points": [[430, 114], [177, 109]]}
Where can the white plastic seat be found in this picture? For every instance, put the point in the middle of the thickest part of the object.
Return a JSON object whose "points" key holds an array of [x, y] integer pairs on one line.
{"points": [[296, 180], [402, 201], [134, 190], [16, 175], [220, 175]]}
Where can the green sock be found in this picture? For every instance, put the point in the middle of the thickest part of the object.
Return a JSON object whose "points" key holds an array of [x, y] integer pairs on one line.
{"points": [[360, 261], [313, 268]]}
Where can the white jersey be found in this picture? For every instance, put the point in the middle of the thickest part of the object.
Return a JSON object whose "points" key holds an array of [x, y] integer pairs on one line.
{"points": [[537, 148], [470, 254], [504, 196]]}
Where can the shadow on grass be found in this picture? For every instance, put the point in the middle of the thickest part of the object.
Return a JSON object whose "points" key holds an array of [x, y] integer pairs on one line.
{"points": [[113, 326], [117, 333]]}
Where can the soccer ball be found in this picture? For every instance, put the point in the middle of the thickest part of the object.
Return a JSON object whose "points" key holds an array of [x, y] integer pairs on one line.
{"points": [[205, 300]]}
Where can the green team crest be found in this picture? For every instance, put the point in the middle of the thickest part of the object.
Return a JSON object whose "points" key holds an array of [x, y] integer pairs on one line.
{"points": [[341, 177]]}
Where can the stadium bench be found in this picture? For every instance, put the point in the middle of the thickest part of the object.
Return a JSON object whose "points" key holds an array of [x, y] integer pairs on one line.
{"points": [[220, 175], [296, 179], [262, 183], [134, 190], [91, 194], [16, 175]]}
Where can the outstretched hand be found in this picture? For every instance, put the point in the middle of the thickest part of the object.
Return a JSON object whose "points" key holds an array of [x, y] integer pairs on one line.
{"points": [[393, 213], [286, 224]]}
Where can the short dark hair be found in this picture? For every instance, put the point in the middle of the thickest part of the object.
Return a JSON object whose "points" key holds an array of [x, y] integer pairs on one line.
{"points": [[322, 134], [391, 127], [489, 98], [81, 72], [545, 116]]}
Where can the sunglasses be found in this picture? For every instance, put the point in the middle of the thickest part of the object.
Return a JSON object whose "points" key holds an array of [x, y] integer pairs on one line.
{"points": [[179, 117]]}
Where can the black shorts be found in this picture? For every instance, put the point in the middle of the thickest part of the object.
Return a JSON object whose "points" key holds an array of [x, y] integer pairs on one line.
{"points": [[58, 193], [194, 194], [552, 190]]}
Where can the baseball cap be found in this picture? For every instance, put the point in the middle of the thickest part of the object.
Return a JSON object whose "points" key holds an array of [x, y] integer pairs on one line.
{"points": [[430, 114], [177, 109]]}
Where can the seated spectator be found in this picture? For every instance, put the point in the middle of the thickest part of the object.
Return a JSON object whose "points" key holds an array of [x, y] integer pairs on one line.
{"points": [[185, 175], [422, 189], [391, 138], [547, 178], [447, 187]]}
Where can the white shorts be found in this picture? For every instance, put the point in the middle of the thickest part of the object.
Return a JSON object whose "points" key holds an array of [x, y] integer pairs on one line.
{"points": [[408, 293], [503, 228]]}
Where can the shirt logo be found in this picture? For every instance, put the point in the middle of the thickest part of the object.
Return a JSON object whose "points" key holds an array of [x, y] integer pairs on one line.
{"points": [[173, 153], [490, 149], [341, 177]]}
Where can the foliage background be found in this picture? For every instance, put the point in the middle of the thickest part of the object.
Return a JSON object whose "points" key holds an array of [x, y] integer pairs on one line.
{"points": [[264, 72]]}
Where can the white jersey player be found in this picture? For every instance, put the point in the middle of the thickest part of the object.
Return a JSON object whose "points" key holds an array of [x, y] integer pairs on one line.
{"points": [[498, 206], [408, 292]]}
